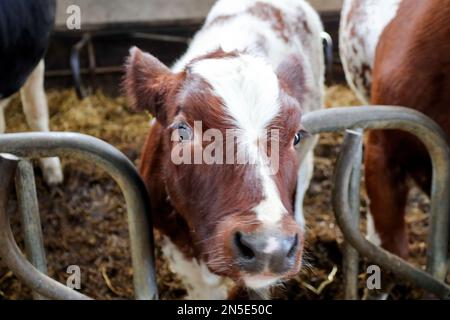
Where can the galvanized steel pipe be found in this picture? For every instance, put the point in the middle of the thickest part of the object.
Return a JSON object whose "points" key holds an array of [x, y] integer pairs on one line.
{"points": [[11, 254], [345, 219], [350, 254], [434, 139], [30, 218], [39, 144]]}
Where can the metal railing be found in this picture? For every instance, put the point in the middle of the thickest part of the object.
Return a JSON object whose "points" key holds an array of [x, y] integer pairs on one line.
{"points": [[117, 165], [87, 40], [346, 204]]}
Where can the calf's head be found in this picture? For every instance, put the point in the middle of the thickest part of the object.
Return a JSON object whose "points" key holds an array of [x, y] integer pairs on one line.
{"points": [[231, 124]]}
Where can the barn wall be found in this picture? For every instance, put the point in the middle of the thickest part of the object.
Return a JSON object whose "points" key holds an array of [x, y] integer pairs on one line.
{"points": [[119, 11], [111, 22]]}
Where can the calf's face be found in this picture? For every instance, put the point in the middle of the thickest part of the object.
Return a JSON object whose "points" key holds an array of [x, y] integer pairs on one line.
{"points": [[230, 164]]}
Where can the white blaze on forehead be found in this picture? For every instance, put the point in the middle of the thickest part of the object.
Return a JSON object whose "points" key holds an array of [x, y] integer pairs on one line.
{"points": [[270, 210], [248, 87], [250, 90]]}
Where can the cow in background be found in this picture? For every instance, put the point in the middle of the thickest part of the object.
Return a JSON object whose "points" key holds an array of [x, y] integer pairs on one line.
{"points": [[397, 52], [25, 28], [253, 67]]}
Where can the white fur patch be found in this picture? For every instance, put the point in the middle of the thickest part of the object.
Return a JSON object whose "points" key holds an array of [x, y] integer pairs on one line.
{"points": [[270, 210], [3, 104], [359, 38], [372, 234], [244, 32], [199, 281], [378, 15], [259, 282], [230, 7], [250, 90], [9, 156], [152, 122]]}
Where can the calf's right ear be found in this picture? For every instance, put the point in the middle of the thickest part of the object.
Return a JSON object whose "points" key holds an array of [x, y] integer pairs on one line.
{"points": [[147, 83]]}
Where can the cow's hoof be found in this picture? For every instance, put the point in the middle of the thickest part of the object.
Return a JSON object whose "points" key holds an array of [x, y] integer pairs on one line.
{"points": [[51, 168]]}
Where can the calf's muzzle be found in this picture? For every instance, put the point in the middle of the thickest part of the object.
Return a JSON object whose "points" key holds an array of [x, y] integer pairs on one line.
{"points": [[265, 252]]}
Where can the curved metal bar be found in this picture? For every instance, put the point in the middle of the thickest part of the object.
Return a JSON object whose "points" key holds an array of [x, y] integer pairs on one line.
{"points": [[39, 144], [350, 254], [30, 218], [328, 50], [345, 220], [434, 139], [160, 37], [11, 254], [87, 40], [75, 65]]}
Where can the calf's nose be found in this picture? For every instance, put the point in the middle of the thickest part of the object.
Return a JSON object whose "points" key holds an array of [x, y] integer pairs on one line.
{"points": [[256, 252]]}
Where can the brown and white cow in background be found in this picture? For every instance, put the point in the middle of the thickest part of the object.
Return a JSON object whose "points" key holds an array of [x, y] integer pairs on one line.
{"points": [[253, 67], [397, 52]]}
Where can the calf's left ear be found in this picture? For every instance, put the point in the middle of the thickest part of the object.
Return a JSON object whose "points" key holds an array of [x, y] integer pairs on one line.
{"points": [[291, 74], [147, 83]]}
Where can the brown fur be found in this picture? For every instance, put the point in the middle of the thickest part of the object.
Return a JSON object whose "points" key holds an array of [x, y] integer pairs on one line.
{"points": [[197, 206], [273, 15], [412, 68]]}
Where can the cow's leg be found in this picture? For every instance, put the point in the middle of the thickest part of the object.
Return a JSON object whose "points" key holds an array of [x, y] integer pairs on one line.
{"points": [[3, 104], [387, 191], [35, 108]]}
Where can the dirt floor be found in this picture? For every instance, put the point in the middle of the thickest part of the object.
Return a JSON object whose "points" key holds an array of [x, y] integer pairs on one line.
{"points": [[84, 220]]}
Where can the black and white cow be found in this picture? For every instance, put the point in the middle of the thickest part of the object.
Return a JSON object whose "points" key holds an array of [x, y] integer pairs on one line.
{"points": [[25, 28]]}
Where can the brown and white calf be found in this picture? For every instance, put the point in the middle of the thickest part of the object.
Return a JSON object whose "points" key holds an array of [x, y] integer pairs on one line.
{"points": [[254, 67], [397, 52]]}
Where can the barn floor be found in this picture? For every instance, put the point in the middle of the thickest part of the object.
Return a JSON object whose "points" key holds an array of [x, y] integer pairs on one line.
{"points": [[84, 219]]}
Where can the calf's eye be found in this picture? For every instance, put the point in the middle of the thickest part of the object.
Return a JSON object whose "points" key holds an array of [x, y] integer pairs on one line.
{"points": [[299, 136], [184, 132]]}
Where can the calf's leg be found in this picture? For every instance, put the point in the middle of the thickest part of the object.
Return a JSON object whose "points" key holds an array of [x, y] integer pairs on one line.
{"points": [[35, 108]]}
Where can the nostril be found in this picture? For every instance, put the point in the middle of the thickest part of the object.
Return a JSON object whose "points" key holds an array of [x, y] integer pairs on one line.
{"points": [[243, 247], [292, 251]]}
